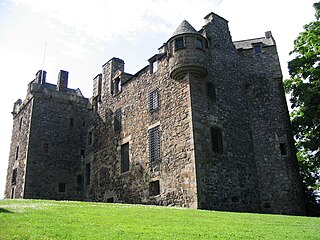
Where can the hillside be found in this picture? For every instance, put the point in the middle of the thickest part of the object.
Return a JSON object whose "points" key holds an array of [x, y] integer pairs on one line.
{"points": [[39, 219]]}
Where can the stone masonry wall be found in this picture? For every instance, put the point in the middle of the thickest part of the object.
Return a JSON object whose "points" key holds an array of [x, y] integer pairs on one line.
{"points": [[226, 180], [57, 135], [279, 182], [175, 171], [18, 150]]}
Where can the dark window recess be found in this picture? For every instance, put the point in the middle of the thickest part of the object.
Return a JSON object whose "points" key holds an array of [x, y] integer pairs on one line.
{"points": [[154, 188], [217, 144], [12, 193], [71, 122], [154, 144], [14, 176], [46, 147], [283, 149], [82, 153], [179, 43], [117, 85], [110, 200], [125, 157], [17, 153], [154, 100], [211, 90], [199, 43], [83, 123], [88, 173], [20, 123], [79, 179], [257, 49], [117, 120], [90, 138], [62, 187]]}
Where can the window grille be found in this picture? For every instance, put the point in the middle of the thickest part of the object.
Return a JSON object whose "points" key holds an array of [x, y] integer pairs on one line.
{"points": [[117, 120], [154, 100], [154, 144]]}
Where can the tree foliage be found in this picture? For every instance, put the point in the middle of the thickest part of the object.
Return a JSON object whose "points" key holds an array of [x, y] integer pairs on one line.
{"points": [[304, 88]]}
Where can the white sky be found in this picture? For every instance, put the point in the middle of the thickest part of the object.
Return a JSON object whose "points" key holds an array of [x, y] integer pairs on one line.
{"points": [[82, 35]]}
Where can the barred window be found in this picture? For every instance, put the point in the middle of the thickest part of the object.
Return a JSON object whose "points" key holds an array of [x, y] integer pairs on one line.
{"points": [[217, 144], [117, 120], [125, 157], [154, 100], [154, 144]]}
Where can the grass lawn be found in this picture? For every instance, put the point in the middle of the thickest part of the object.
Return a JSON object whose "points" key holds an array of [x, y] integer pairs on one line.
{"points": [[39, 219]]}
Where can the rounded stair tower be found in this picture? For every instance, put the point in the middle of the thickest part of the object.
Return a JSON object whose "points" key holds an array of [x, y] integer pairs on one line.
{"points": [[187, 49]]}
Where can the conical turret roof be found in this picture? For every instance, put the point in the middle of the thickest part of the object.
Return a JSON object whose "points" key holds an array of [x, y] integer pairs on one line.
{"points": [[184, 28]]}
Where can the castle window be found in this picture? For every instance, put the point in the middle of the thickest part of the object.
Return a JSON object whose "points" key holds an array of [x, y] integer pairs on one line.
{"points": [[71, 122], [20, 123], [62, 187], [90, 138], [125, 157], [199, 43], [154, 144], [117, 85], [154, 188], [179, 43], [216, 136], [17, 153], [82, 153], [14, 176], [283, 149], [257, 49], [88, 173], [83, 123], [154, 100], [211, 90], [46, 147], [117, 120], [154, 66]]}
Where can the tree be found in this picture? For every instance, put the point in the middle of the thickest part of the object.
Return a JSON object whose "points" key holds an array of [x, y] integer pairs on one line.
{"points": [[304, 88]]}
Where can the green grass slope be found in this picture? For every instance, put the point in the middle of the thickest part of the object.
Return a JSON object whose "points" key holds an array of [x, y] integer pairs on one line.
{"points": [[38, 219]]}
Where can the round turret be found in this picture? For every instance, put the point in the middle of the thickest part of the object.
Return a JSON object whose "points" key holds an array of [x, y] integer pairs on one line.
{"points": [[187, 48]]}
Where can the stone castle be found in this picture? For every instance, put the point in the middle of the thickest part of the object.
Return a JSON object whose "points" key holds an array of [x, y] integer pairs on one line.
{"points": [[205, 125]]}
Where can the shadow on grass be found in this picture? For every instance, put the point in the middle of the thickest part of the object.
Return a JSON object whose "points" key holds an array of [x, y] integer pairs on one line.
{"points": [[2, 210]]}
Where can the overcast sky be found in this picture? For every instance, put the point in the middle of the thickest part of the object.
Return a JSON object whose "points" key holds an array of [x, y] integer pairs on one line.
{"points": [[81, 36]]}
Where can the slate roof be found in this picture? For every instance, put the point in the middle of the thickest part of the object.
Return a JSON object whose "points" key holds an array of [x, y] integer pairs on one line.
{"points": [[184, 28], [247, 44]]}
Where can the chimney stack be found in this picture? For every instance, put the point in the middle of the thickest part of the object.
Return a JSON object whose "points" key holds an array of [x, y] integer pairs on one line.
{"points": [[41, 76], [62, 84]]}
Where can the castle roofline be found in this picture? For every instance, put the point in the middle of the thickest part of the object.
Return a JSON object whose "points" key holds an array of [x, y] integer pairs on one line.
{"points": [[248, 43], [112, 59]]}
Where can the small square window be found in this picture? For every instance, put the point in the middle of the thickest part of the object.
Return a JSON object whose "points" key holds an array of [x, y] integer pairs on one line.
{"points": [[179, 43], [154, 188], [62, 187], [257, 49]]}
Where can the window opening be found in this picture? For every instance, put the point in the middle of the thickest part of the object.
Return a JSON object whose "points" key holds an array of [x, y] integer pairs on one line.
{"points": [[88, 173], [199, 43], [20, 123], [62, 187], [46, 147], [117, 120], [154, 100], [17, 153], [71, 122], [14, 176], [283, 149], [154, 144], [217, 144], [154, 188], [125, 157], [257, 49], [117, 85], [179, 43]]}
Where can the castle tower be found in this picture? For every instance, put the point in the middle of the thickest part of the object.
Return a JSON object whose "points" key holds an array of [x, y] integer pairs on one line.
{"points": [[187, 54]]}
